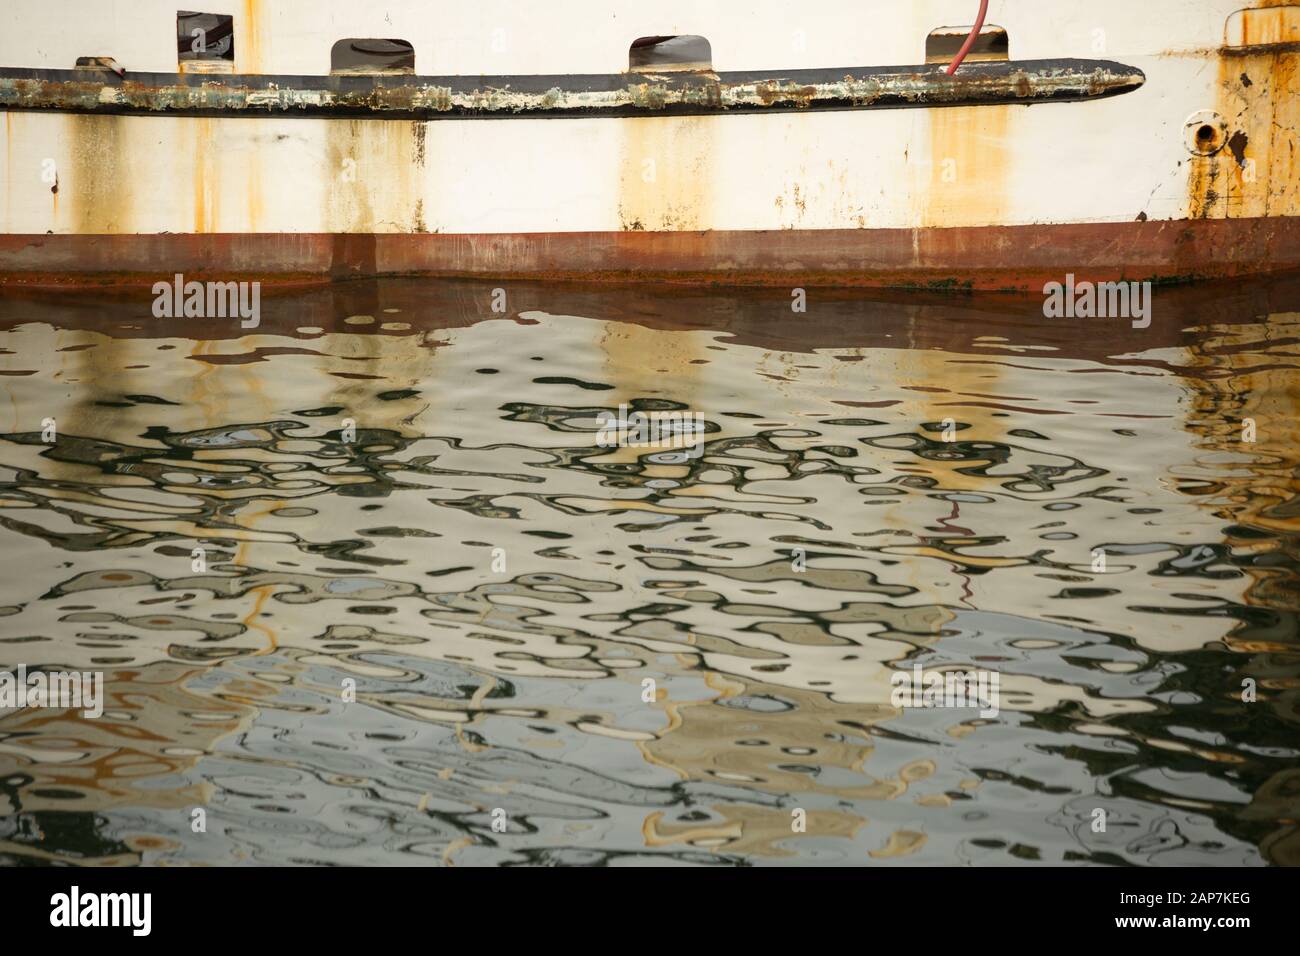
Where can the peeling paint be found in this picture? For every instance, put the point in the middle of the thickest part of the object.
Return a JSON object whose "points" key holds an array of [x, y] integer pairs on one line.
{"points": [[163, 164], [633, 94], [1258, 95]]}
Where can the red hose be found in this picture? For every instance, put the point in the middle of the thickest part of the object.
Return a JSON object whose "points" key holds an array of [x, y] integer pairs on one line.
{"points": [[970, 40]]}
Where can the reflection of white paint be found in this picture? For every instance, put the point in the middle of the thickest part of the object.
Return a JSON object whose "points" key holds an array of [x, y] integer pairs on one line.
{"points": [[1152, 406]]}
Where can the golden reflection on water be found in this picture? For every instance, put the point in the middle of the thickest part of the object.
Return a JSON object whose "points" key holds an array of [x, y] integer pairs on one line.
{"points": [[497, 589]]}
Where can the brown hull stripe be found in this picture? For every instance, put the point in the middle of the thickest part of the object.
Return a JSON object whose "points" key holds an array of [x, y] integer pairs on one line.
{"points": [[988, 257]]}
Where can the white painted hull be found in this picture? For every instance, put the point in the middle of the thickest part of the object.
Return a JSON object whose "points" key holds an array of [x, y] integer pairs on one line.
{"points": [[1116, 160]]}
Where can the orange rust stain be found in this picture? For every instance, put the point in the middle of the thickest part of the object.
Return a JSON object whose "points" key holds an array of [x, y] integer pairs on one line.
{"points": [[1284, 166], [966, 181], [1257, 172], [666, 174], [204, 176], [375, 173], [413, 174], [1271, 22], [248, 38], [1207, 187], [200, 205], [343, 190], [99, 182], [970, 160], [253, 193], [9, 169]]}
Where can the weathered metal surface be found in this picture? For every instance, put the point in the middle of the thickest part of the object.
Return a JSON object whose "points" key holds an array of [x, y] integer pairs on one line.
{"points": [[1000, 258], [1248, 161], [1265, 26], [818, 183], [633, 94]]}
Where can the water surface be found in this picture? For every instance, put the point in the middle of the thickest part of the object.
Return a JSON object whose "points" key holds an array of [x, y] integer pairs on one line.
{"points": [[497, 588]]}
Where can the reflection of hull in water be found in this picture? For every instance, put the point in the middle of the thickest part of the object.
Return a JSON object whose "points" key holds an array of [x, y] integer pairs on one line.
{"points": [[937, 565], [1161, 150], [775, 683]]}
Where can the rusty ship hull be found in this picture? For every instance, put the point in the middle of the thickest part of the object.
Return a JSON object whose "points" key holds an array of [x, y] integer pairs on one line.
{"points": [[1155, 141]]}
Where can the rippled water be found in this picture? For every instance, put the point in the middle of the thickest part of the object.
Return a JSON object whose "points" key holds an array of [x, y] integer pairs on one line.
{"points": [[498, 587]]}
